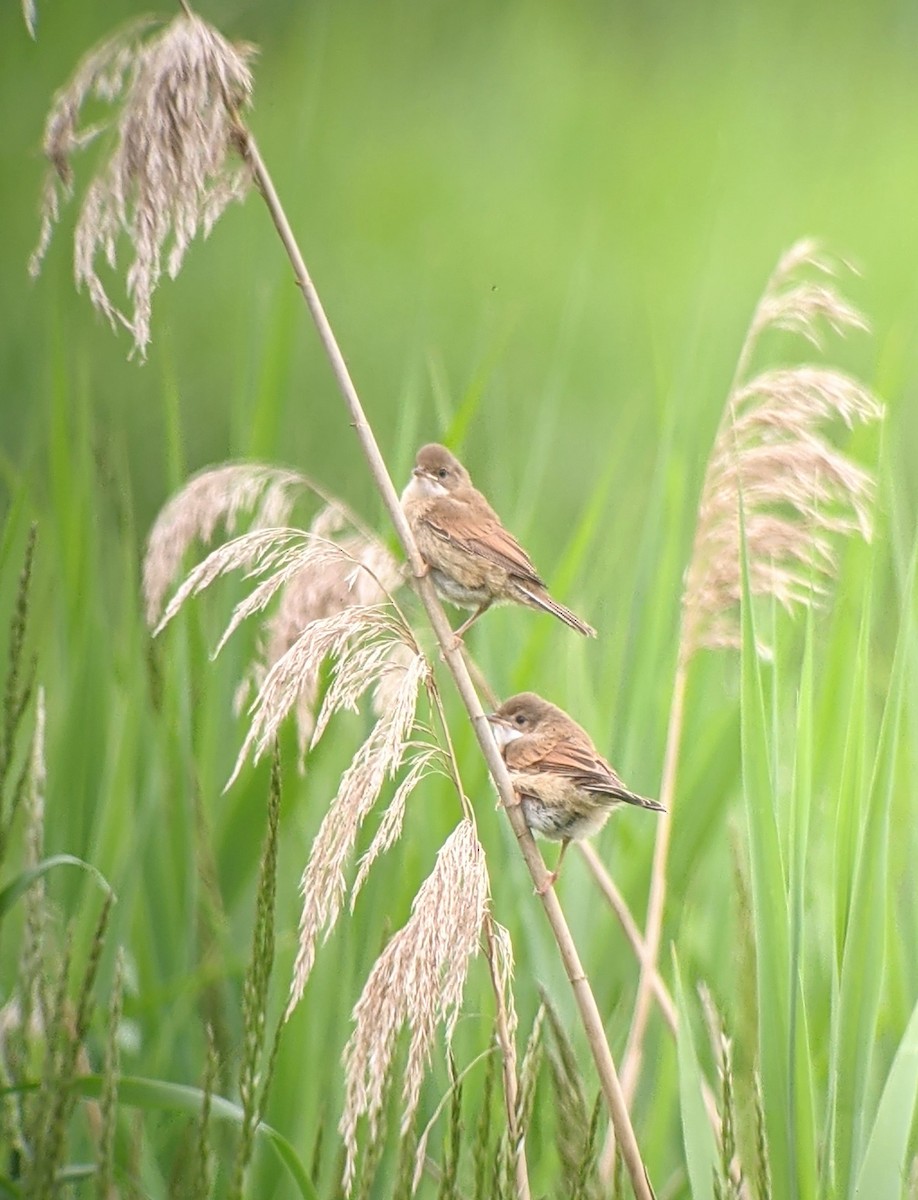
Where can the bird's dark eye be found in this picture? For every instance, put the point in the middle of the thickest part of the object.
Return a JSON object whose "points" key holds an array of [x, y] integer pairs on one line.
{"points": [[520, 719], [443, 472]]}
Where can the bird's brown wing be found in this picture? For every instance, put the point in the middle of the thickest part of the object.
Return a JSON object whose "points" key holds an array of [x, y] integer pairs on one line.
{"points": [[476, 528], [575, 759]]}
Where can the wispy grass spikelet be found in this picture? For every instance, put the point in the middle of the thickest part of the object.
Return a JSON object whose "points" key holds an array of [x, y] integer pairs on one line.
{"points": [[481, 1147], [202, 1172], [529, 1067], [17, 691], [211, 500], [417, 982], [323, 884], [763, 1164], [170, 173], [772, 457], [105, 1169], [449, 1180], [253, 1091], [32, 982], [65, 1046], [363, 574], [583, 1182], [728, 1185], [336, 565], [570, 1107]]}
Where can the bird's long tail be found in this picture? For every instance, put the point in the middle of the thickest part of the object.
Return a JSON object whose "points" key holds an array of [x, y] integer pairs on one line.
{"points": [[640, 801], [622, 795], [539, 599]]}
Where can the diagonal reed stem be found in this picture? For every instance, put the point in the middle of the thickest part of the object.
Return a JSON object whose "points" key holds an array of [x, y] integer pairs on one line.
{"points": [[453, 657], [631, 1067]]}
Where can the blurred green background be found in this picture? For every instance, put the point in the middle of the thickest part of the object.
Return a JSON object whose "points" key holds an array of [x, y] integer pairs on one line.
{"points": [[539, 230]]}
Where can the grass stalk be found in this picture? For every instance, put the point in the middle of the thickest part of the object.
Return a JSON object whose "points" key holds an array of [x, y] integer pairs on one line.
{"points": [[631, 1064], [453, 657]]}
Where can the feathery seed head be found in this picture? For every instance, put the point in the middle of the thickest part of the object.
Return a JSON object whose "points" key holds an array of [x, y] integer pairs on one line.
{"points": [[214, 498], [323, 884], [417, 981], [169, 174], [772, 463]]}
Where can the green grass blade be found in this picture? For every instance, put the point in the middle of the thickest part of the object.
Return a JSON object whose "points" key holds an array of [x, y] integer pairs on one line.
{"points": [[701, 1156], [24, 880], [882, 1172], [865, 944]]}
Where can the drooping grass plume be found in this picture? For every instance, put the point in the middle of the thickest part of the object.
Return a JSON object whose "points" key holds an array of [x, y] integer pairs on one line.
{"points": [[777, 487], [417, 982], [170, 173], [213, 499], [323, 884], [338, 564]]}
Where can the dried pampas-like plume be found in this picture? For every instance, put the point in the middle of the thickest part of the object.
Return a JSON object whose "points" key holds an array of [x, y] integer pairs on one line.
{"points": [[212, 499], [770, 458], [169, 174], [378, 759], [364, 574], [417, 981], [360, 572]]}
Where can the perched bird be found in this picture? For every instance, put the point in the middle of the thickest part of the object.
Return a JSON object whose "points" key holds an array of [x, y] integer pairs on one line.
{"points": [[474, 562], [566, 788]]}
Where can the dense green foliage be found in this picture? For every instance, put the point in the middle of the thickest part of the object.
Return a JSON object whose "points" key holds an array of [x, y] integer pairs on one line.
{"points": [[539, 232]]}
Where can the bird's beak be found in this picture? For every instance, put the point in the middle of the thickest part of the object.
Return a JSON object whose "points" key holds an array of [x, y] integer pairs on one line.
{"points": [[417, 472], [502, 729]]}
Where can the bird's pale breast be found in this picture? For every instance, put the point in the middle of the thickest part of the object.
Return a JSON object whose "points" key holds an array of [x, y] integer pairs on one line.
{"points": [[556, 808]]}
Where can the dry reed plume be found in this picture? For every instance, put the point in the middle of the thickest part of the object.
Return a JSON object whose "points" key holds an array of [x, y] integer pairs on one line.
{"points": [[417, 981], [213, 499], [770, 453], [777, 491], [336, 565], [168, 176]]}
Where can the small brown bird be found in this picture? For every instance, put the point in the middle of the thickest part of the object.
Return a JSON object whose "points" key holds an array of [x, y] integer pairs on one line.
{"points": [[474, 562], [566, 788]]}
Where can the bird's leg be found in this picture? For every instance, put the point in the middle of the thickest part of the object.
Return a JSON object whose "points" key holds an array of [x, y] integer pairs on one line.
{"points": [[552, 876], [466, 625]]}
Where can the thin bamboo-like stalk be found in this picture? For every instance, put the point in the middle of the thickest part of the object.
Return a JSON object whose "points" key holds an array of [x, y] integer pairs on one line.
{"points": [[631, 1066], [453, 657]]}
